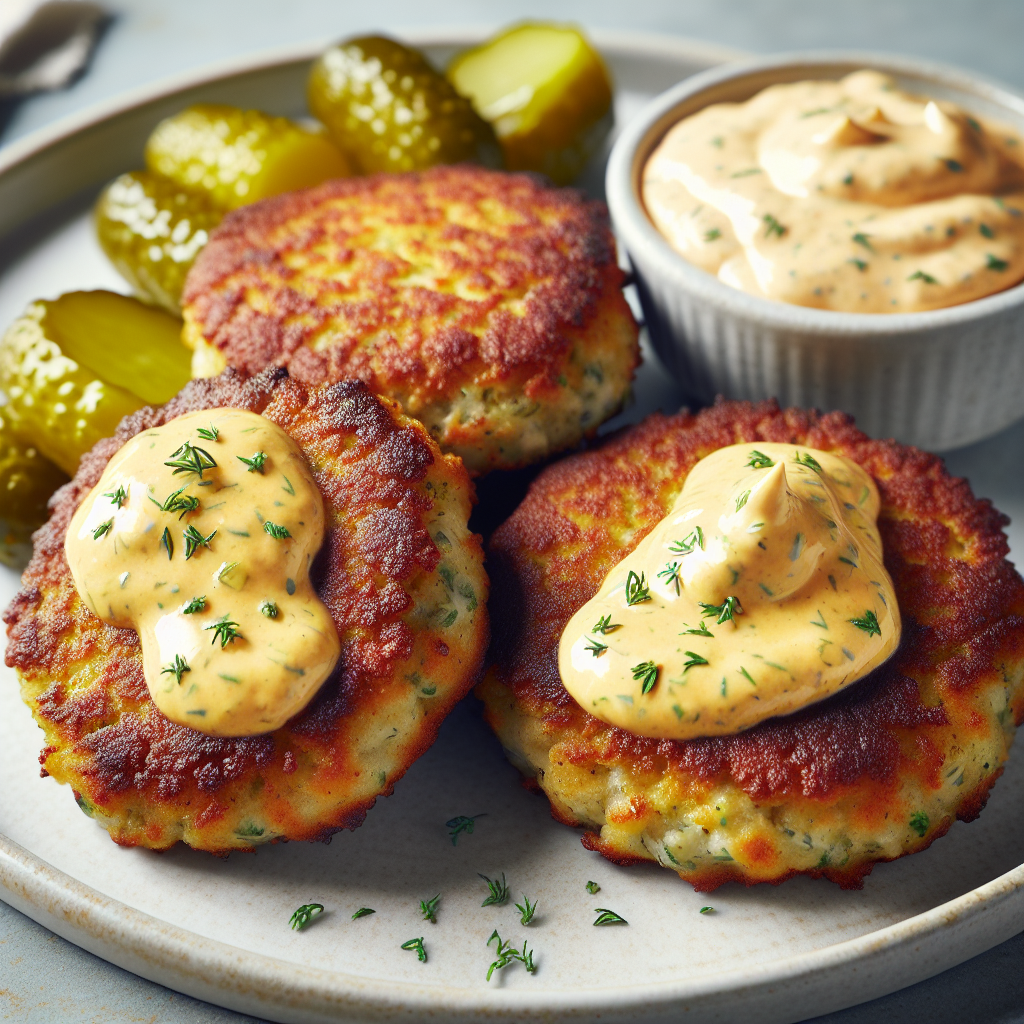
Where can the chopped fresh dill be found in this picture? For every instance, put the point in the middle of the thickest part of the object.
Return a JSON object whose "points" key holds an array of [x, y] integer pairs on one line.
{"points": [[416, 945], [178, 502], [593, 888], [606, 916], [707, 910], [197, 604], [773, 227], [118, 497], [305, 914], [255, 464], [693, 660], [177, 668], [190, 459], [861, 239], [919, 823], [725, 611], [604, 625], [920, 275], [986, 231], [954, 165], [647, 673], [861, 265], [869, 623], [499, 892], [428, 908], [363, 912], [595, 647], [993, 263], [275, 531], [102, 529], [758, 460], [671, 574], [808, 460], [637, 589], [194, 540], [526, 909], [741, 500], [702, 631], [463, 823], [210, 433], [685, 547], [268, 608], [167, 543], [507, 954], [225, 631], [712, 235]]}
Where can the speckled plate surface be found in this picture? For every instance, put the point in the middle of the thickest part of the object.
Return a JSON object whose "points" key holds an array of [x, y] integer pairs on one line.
{"points": [[218, 929]]}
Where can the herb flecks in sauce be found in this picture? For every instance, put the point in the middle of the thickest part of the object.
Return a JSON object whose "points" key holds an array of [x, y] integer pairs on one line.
{"points": [[245, 677], [813, 178], [798, 561]]}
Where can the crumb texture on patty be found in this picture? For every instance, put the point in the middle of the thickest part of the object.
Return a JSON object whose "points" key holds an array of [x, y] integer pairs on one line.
{"points": [[487, 304], [876, 772], [401, 575]]}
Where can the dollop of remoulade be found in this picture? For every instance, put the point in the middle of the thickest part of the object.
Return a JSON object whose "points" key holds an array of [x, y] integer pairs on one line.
{"points": [[850, 195], [200, 535], [762, 591]]}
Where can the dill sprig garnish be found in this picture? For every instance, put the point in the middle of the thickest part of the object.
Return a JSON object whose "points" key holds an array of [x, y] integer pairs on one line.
{"points": [[647, 672], [702, 631], [191, 459], [275, 531], [194, 539], [725, 611], [593, 888], [102, 529], [197, 604], [637, 589], [526, 909], [428, 908], [210, 433], [606, 916], [772, 226], [507, 954], [499, 893], [460, 824], [177, 668], [363, 912], [225, 631], [305, 914], [671, 574], [758, 460], [685, 547], [255, 464], [869, 623], [269, 608], [167, 543], [117, 497], [693, 660], [604, 625], [808, 460], [595, 647], [178, 502], [416, 945]]}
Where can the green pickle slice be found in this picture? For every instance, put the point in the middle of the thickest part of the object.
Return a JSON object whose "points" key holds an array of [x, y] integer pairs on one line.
{"points": [[72, 367], [152, 230], [236, 156], [546, 92], [390, 110], [26, 482]]}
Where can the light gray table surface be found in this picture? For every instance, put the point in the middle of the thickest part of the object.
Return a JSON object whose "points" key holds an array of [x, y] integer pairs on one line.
{"points": [[43, 978]]}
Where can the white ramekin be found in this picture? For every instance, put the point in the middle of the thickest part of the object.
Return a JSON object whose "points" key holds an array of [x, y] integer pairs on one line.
{"points": [[939, 379]]}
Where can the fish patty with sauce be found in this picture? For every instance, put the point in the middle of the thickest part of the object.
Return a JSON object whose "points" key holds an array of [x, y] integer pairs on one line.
{"points": [[876, 772], [488, 304], [401, 576]]}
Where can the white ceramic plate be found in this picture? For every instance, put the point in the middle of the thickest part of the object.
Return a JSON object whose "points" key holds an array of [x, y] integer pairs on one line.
{"points": [[218, 929]]}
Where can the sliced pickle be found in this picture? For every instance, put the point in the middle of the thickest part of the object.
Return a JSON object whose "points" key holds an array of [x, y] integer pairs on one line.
{"points": [[72, 367], [26, 482], [389, 110], [238, 156], [546, 92], [152, 230]]}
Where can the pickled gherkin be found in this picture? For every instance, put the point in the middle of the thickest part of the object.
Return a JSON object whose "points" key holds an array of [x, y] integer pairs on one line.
{"points": [[152, 230], [26, 482], [235, 157], [389, 110], [72, 367], [546, 92]]}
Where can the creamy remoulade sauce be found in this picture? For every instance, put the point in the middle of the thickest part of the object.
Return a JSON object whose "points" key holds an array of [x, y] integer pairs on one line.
{"points": [[848, 195], [208, 559], [761, 591]]}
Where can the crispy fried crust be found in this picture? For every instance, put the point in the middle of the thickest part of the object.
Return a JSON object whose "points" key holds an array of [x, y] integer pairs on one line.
{"points": [[879, 771], [411, 644], [486, 303]]}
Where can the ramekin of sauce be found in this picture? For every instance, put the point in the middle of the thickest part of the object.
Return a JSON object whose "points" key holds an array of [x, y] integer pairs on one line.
{"points": [[839, 230]]}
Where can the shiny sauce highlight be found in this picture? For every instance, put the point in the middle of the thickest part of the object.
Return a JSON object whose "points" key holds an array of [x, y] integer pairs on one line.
{"points": [[761, 592], [200, 536]]}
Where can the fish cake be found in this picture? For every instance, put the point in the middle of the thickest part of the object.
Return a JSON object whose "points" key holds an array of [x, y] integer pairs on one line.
{"points": [[876, 772], [487, 304], [400, 574]]}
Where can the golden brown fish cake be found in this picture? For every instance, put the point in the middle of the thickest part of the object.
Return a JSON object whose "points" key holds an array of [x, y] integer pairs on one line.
{"points": [[401, 575], [879, 771], [487, 304]]}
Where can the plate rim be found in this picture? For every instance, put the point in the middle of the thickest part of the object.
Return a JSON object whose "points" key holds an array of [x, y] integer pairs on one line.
{"points": [[794, 986]]}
